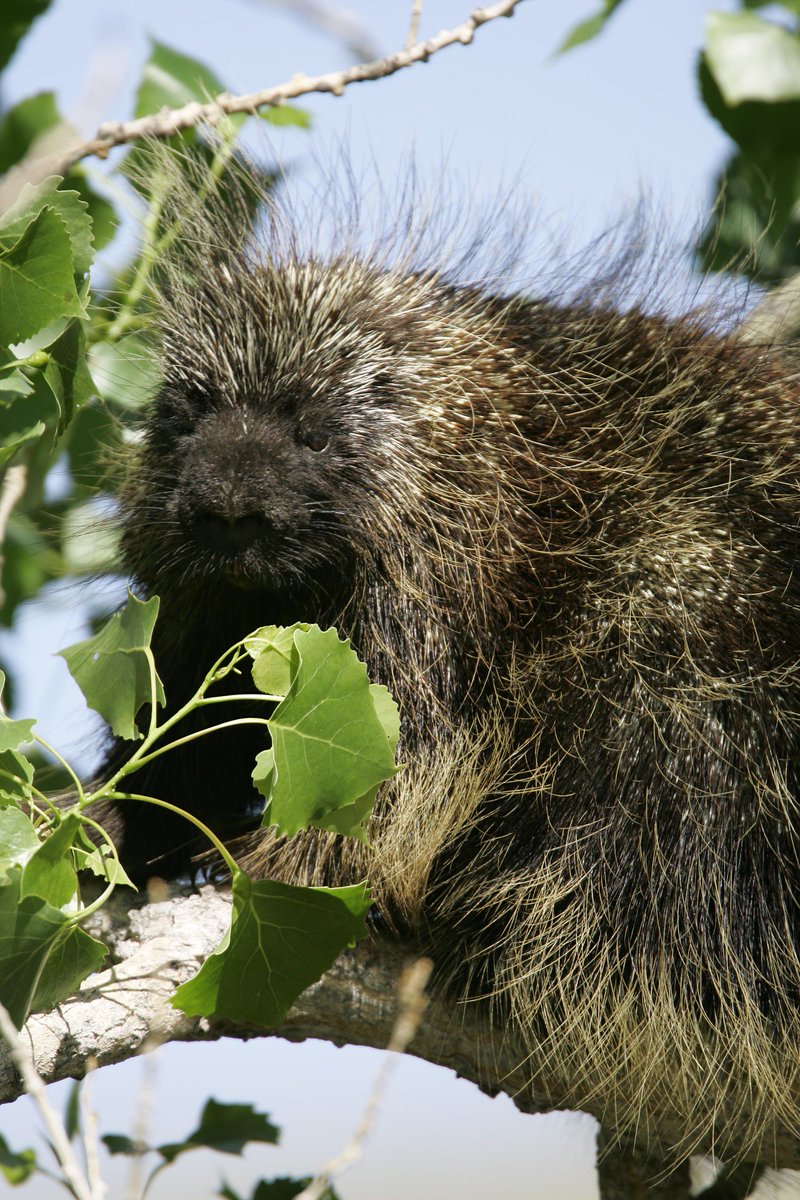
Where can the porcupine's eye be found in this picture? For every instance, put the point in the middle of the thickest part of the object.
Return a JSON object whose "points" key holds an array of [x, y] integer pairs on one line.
{"points": [[316, 441]]}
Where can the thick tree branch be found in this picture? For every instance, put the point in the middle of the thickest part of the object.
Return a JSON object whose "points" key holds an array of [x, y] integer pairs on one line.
{"points": [[159, 945]]}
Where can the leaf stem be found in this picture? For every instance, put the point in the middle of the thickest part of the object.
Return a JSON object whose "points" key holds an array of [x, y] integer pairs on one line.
{"points": [[225, 855], [59, 758], [199, 733]]}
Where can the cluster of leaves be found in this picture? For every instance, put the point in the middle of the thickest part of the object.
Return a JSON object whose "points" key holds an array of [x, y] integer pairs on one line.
{"points": [[749, 79], [331, 738], [225, 1128]]}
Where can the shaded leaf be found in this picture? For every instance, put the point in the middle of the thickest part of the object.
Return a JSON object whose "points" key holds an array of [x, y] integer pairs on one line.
{"points": [[30, 929], [226, 1128], [16, 776], [112, 670], [125, 372], [36, 279], [281, 940], [171, 79], [18, 17], [49, 872], [72, 959], [34, 199], [16, 1166]]}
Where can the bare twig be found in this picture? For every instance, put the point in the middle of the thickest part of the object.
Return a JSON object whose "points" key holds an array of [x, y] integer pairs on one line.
{"points": [[412, 1006], [336, 22], [413, 29], [171, 121], [12, 490], [90, 1140], [34, 1086], [776, 318]]}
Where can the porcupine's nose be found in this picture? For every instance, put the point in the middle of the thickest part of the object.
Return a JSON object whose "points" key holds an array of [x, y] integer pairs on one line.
{"points": [[230, 533]]}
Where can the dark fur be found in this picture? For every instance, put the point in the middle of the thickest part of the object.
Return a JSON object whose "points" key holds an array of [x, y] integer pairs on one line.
{"points": [[566, 538]]}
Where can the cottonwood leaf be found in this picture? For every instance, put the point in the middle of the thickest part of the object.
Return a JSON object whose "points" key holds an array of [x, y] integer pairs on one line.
{"points": [[18, 839], [30, 929], [226, 1128], [752, 59], [590, 28], [330, 746], [16, 777], [75, 956], [171, 79], [281, 940], [36, 279], [275, 654], [17, 19], [17, 1166], [112, 670], [49, 872], [33, 199]]}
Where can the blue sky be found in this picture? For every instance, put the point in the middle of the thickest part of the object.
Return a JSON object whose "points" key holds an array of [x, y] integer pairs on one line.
{"points": [[578, 139]]}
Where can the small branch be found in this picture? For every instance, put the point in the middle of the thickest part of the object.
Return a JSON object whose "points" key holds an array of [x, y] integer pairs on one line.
{"points": [[171, 121], [90, 1139], [412, 1006], [413, 29], [12, 490], [336, 22], [776, 318], [34, 1086]]}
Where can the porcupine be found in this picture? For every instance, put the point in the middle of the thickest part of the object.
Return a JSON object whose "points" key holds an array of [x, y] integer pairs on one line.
{"points": [[564, 536]]}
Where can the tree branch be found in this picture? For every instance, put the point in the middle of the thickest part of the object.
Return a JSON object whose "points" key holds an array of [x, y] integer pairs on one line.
{"points": [[159, 945], [173, 120]]}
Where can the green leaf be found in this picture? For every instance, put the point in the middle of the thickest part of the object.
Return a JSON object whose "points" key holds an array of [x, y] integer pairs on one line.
{"points": [[112, 669], [23, 124], [67, 374], [752, 59], [34, 199], [90, 539], [286, 114], [25, 419], [120, 1143], [171, 79], [125, 372], [16, 776], [276, 660], [590, 28], [36, 279], [16, 1167], [72, 1111], [330, 748], [18, 17], [49, 872], [18, 840], [276, 1189], [72, 959], [282, 939], [100, 861], [226, 1128], [14, 733], [30, 929]]}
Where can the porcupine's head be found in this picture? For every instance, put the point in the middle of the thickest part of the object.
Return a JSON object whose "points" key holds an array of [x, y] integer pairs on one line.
{"points": [[319, 419]]}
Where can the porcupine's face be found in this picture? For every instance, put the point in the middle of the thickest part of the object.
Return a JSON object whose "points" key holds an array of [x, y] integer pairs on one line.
{"points": [[256, 460]]}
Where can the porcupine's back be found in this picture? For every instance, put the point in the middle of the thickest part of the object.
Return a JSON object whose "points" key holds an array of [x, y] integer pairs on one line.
{"points": [[565, 538]]}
